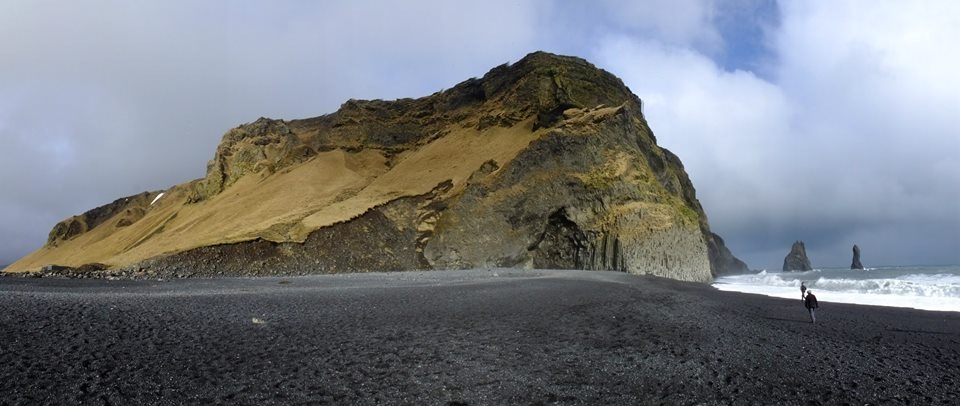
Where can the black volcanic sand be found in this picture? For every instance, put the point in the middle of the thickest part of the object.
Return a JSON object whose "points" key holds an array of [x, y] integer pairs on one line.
{"points": [[460, 337]]}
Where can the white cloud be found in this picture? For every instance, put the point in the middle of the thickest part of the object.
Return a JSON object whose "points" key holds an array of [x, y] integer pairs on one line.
{"points": [[880, 89], [674, 22], [727, 127], [853, 140]]}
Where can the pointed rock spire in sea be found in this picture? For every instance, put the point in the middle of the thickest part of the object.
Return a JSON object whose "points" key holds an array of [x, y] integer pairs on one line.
{"points": [[797, 259], [856, 258]]}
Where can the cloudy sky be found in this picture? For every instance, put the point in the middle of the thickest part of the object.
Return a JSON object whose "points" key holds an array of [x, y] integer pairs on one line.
{"points": [[833, 122]]}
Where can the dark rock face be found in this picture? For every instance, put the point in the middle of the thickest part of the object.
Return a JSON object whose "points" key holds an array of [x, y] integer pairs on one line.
{"points": [[797, 259], [723, 261], [856, 258], [127, 209], [562, 245], [382, 239]]}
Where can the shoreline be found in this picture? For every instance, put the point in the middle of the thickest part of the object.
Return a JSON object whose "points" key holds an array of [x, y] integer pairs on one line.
{"points": [[864, 302], [116, 277], [474, 336]]}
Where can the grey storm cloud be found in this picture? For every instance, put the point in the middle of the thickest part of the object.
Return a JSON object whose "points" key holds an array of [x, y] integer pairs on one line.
{"points": [[814, 121]]}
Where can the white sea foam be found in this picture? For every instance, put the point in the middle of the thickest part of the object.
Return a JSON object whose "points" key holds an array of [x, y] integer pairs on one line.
{"points": [[885, 287]]}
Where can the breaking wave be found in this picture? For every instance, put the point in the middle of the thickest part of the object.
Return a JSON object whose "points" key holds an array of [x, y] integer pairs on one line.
{"points": [[923, 285], [931, 288]]}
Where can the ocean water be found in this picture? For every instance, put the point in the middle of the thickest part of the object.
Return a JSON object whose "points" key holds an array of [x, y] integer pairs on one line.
{"points": [[918, 287]]}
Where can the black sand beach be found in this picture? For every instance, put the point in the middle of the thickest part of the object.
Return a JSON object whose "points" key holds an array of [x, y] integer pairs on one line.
{"points": [[462, 337]]}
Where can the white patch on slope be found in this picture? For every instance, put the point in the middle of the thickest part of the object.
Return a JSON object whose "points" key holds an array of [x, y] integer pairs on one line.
{"points": [[156, 198]]}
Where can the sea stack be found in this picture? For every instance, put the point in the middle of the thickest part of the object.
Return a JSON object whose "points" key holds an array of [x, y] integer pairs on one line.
{"points": [[856, 258], [797, 259]]}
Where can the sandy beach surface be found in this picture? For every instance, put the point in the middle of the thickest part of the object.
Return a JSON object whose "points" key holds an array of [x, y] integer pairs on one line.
{"points": [[460, 337]]}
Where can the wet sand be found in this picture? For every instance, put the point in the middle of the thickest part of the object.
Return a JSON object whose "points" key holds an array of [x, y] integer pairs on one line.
{"points": [[459, 337]]}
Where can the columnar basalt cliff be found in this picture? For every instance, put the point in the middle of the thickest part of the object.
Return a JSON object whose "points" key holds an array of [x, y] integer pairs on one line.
{"points": [[545, 163]]}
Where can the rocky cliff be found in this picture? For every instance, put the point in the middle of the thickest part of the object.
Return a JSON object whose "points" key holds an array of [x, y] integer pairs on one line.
{"points": [[796, 259], [544, 163], [722, 260]]}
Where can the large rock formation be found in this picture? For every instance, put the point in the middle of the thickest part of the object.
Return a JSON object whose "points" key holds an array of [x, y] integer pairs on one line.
{"points": [[726, 263], [545, 163], [797, 259], [855, 264]]}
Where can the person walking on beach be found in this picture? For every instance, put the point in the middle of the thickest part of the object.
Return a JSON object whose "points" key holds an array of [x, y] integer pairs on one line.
{"points": [[803, 290], [811, 303]]}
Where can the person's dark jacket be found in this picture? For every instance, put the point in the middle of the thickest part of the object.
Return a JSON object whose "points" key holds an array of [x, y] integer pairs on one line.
{"points": [[811, 301]]}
